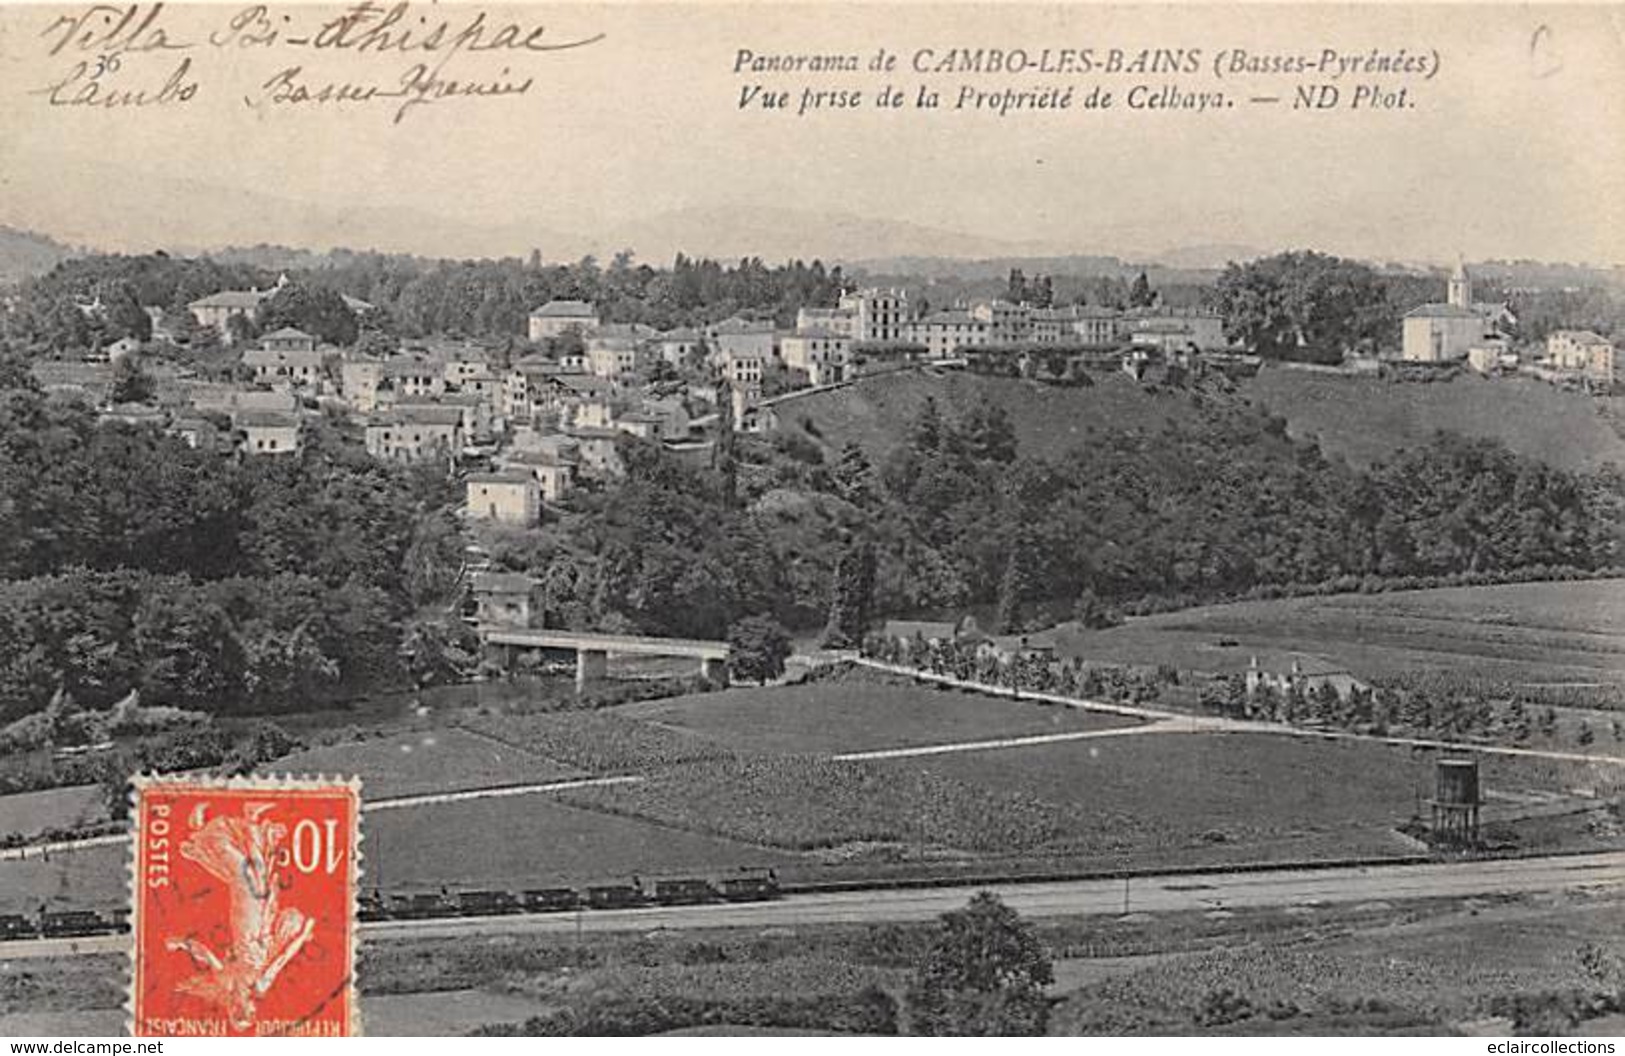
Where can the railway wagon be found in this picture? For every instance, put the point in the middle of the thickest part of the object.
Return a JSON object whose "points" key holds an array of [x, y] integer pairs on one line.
{"points": [[76, 924], [486, 903], [550, 900], [749, 885], [17, 926], [688, 891], [616, 896]]}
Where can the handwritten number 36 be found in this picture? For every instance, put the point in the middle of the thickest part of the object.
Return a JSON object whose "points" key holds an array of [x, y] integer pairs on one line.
{"points": [[105, 64]]}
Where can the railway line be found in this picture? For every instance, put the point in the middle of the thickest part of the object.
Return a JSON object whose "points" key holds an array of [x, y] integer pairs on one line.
{"points": [[1214, 892]]}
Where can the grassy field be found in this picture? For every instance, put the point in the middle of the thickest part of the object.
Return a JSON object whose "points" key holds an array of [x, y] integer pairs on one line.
{"points": [[30, 813], [1361, 419], [96, 878], [833, 717], [534, 841], [1049, 420], [1539, 633], [1366, 420], [437, 760], [1449, 970]]}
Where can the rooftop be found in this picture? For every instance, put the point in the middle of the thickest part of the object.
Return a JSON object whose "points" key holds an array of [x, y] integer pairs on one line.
{"points": [[232, 299], [501, 478], [287, 333], [566, 310], [1582, 337], [950, 317], [501, 583], [266, 420], [255, 357], [1441, 311], [419, 414], [737, 325]]}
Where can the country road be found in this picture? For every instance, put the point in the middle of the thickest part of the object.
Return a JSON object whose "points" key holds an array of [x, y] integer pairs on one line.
{"points": [[1218, 724], [1142, 894]]}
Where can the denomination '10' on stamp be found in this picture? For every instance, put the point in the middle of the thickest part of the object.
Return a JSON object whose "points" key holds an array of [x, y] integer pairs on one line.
{"points": [[244, 908]]}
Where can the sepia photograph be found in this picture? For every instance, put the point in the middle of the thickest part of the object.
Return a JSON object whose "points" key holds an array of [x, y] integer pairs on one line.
{"points": [[884, 518]]}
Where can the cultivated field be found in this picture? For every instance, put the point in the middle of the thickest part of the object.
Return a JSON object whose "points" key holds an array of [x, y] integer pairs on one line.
{"points": [[1237, 796], [745, 778], [835, 717], [1531, 633]]}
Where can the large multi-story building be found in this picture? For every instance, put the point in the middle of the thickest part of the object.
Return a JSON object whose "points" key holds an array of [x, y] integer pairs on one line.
{"points": [[1007, 323], [822, 354], [268, 432], [618, 350], [741, 338], [287, 359], [557, 318], [842, 321], [512, 498], [1584, 352], [878, 315], [947, 332], [358, 382], [678, 347], [415, 432]]}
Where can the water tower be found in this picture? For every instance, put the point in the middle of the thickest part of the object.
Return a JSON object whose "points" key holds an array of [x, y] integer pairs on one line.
{"points": [[1456, 802]]}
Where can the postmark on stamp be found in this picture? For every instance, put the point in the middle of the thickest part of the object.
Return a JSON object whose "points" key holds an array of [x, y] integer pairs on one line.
{"points": [[243, 907]]}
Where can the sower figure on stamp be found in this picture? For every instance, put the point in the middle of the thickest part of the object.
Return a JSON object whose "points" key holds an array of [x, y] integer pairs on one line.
{"points": [[242, 854]]}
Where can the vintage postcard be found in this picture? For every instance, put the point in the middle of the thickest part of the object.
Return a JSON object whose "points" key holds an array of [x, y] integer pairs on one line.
{"points": [[775, 499], [244, 907]]}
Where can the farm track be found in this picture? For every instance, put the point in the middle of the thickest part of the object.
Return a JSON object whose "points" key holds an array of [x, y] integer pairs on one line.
{"points": [[394, 803], [1194, 725], [1215, 724]]}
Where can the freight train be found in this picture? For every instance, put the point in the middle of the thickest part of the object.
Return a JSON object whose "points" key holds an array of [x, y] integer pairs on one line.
{"points": [[64, 924], [745, 885]]}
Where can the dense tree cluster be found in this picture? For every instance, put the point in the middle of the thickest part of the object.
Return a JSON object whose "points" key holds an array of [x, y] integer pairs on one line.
{"points": [[129, 560], [412, 297], [1306, 305], [984, 976], [1220, 504]]}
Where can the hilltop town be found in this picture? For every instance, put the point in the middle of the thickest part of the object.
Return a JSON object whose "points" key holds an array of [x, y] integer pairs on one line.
{"points": [[549, 403]]}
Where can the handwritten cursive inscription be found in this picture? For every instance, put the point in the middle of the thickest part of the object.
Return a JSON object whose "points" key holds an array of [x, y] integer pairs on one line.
{"points": [[89, 83], [109, 50], [108, 30], [417, 86]]}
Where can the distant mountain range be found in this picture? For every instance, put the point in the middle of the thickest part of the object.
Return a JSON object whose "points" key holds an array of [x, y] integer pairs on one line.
{"points": [[294, 233]]}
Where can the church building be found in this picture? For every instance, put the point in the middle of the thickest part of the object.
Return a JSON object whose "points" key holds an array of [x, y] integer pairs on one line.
{"points": [[1446, 333]]}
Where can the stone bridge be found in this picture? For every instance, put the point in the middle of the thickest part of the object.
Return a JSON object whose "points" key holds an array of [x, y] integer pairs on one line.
{"points": [[593, 650]]}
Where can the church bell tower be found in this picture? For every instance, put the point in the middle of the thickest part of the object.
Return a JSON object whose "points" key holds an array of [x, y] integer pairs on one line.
{"points": [[1461, 286]]}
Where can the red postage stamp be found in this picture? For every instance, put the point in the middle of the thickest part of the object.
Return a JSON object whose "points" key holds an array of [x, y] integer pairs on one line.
{"points": [[244, 907]]}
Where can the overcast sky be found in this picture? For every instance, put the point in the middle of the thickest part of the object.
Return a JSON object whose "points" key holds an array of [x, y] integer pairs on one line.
{"points": [[1515, 149]]}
